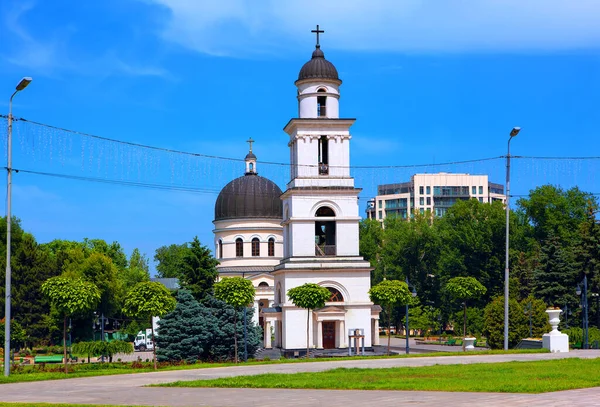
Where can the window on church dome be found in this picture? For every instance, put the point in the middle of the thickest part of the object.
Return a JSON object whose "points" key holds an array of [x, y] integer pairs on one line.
{"points": [[336, 296], [321, 104], [323, 155], [255, 247], [239, 247], [220, 249], [271, 247], [263, 284]]}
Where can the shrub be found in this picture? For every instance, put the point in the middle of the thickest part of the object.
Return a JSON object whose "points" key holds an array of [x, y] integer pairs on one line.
{"points": [[493, 327]]}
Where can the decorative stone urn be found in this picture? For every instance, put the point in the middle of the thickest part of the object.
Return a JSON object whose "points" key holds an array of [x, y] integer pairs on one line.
{"points": [[554, 316], [469, 343], [555, 341]]}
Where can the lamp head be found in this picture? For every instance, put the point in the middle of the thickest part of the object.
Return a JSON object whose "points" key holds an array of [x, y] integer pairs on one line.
{"points": [[578, 290], [23, 83], [414, 292], [515, 131]]}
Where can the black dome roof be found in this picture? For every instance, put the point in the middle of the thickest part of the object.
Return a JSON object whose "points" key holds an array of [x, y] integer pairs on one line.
{"points": [[318, 67], [250, 196]]}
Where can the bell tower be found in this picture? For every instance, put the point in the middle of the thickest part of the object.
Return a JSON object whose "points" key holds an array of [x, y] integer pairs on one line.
{"points": [[321, 216]]}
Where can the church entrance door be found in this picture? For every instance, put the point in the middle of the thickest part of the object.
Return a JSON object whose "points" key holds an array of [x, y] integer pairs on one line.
{"points": [[328, 334]]}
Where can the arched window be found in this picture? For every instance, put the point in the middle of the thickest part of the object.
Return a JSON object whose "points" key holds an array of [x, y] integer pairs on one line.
{"points": [[336, 296], [239, 247], [321, 104], [325, 211], [323, 158], [263, 284], [220, 249], [271, 247], [255, 247], [325, 237]]}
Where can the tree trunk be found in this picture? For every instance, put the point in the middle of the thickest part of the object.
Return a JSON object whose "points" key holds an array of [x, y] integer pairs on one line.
{"points": [[464, 324], [153, 344], [307, 329], [389, 328], [65, 342], [235, 334]]}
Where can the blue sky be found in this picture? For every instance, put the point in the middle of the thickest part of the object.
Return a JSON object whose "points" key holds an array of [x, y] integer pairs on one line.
{"points": [[429, 82]]}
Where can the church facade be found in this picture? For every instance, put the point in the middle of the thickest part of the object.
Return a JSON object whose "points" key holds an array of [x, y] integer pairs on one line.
{"points": [[318, 227]]}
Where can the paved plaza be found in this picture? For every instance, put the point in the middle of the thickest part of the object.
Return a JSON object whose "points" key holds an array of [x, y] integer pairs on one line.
{"points": [[129, 390]]}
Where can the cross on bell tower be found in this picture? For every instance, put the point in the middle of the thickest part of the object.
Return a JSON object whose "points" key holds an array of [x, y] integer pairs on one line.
{"points": [[250, 159], [317, 31]]}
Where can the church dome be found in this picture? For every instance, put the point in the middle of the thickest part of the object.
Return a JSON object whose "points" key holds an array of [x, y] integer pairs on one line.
{"points": [[250, 196], [318, 68]]}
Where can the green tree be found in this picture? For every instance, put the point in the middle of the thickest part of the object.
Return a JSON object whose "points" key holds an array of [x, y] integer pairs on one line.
{"points": [[170, 260], [137, 270], [388, 294], [473, 244], [97, 348], [412, 251], [463, 289], [370, 235], [69, 297], [536, 308], [309, 296], [555, 212], [113, 251], [18, 336], [556, 274], [493, 327], [199, 270], [237, 292], [186, 332], [147, 300]]}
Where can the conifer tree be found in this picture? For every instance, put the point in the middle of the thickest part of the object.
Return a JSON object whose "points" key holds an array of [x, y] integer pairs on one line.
{"points": [[186, 332], [556, 274]]}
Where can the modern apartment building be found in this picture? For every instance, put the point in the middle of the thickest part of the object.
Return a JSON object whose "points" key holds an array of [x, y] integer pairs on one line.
{"points": [[431, 192]]}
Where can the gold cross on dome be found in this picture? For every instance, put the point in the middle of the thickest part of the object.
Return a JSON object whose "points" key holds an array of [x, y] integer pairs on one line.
{"points": [[250, 141]]}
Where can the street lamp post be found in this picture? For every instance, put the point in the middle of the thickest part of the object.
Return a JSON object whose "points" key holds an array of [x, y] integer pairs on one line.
{"points": [[513, 133], [414, 294], [584, 305], [20, 86]]}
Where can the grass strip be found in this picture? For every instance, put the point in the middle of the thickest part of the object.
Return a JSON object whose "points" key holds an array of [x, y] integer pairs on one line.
{"points": [[507, 377], [90, 370]]}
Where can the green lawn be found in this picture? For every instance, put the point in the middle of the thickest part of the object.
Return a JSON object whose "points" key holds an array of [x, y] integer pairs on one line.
{"points": [[510, 377], [28, 374]]}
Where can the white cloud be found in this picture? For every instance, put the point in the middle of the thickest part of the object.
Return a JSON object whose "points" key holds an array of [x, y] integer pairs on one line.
{"points": [[251, 27]]}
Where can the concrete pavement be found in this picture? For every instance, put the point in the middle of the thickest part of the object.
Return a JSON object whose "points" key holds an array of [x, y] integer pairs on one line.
{"points": [[128, 390]]}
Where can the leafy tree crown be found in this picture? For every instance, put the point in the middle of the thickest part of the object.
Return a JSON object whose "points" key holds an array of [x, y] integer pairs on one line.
{"points": [[71, 296], [390, 293], [465, 288], [309, 296], [149, 299], [235, 291]]}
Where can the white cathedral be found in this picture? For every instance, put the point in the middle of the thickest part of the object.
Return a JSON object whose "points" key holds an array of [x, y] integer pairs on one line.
{"points": [[309, 233]]}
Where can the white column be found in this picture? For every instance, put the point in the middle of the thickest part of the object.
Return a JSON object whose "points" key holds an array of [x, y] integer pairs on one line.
{"points": [[319, 334], [268, 335], [376, 333], [343, 334]]}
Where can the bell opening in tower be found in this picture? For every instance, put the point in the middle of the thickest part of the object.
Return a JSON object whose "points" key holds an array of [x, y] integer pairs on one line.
{"points": [[323, 155], [321, 104], [325, 233]]}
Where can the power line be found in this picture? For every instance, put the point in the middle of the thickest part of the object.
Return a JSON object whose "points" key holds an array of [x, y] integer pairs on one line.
{"points": [[215, 157], [137, 184]]}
